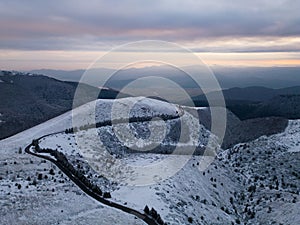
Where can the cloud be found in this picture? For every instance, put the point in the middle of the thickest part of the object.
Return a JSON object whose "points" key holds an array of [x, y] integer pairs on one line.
{"points": [[71, 25]]}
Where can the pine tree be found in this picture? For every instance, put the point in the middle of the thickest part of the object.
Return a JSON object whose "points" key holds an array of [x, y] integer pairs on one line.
{"points": [[146, 209]]}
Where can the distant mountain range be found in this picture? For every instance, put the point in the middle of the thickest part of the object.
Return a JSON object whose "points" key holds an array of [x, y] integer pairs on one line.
{"points": [[254, 102], [253, 94], [228, 77], [271, 77]]}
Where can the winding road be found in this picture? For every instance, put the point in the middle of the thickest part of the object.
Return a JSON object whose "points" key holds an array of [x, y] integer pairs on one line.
{"points": [[145, 217]]}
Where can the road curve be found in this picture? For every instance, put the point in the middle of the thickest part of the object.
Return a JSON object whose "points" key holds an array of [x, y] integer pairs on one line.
{"points": [[146, 218]]}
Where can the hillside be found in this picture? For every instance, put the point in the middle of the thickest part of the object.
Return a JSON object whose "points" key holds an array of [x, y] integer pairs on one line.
{"points": [[241, 186], [255, 102], [28, 99], [284, 105]]}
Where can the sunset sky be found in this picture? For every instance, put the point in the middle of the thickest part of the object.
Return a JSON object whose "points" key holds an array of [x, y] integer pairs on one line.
{"points": [[72, 34]]}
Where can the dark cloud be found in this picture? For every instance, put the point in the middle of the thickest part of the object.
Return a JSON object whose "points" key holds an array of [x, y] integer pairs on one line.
{"points": [[78, 24]]}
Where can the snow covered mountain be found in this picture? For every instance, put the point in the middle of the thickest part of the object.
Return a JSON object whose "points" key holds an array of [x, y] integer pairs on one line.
{"points": [[251, 183]]}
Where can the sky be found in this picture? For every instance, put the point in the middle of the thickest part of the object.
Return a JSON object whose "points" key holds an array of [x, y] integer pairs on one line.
{"points": [[70, 35]]}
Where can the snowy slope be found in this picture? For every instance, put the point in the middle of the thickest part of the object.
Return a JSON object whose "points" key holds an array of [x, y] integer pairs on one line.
{"points": [[67, 204], [84, 114], [218, 195], [269, 170], [32, 203]]}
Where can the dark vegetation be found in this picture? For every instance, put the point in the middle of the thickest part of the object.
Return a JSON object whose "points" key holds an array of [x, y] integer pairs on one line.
{"points": [[154, 214], [238, 131], [28, 100], [256, 102], [79, 178], [62, 160], [271, 177]]}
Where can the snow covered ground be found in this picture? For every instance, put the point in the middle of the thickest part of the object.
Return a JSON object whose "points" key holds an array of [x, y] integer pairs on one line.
{"points": [[49, 201], [268, 168], [217, 195], [291, 138], [52, 200], [38, 204], [83, 115]]}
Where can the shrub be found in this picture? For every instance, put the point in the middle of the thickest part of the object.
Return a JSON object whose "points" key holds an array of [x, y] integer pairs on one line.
{"points": [[153, 213], [252, 215], [40, 176], [146, 209], [106, 195], [204, 201], [227, 211], [252, 188], [34, 182], [51, 172]]}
